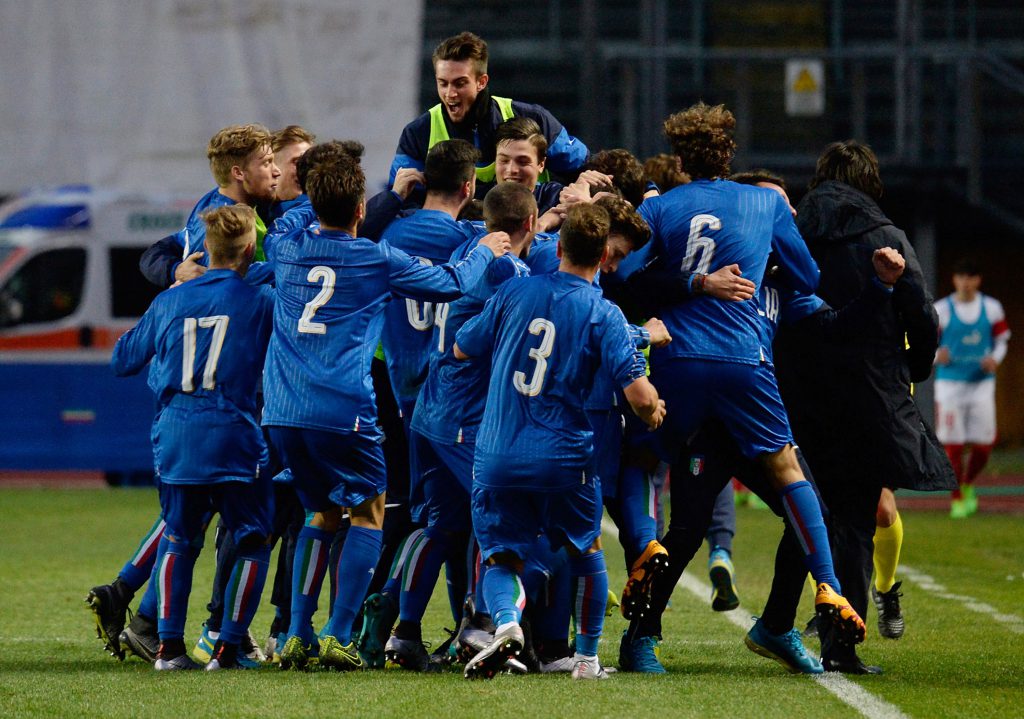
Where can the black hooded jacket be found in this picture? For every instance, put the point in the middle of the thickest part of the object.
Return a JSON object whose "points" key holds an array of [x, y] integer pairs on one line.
{"points": [[850, 402]]}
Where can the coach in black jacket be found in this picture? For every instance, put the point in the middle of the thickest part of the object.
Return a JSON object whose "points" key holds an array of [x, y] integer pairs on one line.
{"points": [[850, 404]]}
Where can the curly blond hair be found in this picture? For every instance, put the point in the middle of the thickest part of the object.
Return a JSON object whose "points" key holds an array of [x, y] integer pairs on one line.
{"points": [[234, 145], [701, 136]]}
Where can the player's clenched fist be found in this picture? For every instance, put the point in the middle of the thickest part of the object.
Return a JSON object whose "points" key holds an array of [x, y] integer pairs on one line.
{"points": [[656, 416], [658, 332], [889, 265]]}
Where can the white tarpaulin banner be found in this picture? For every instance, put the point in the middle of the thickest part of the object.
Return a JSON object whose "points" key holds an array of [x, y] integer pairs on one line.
{"points": [[126, 93]]}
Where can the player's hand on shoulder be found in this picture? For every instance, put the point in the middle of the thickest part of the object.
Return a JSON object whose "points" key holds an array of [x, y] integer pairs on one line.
{"points": [[497, 242], [728, 283], [189, 268], [552, 219], [405, 180], [889, 265], [658, 332]]}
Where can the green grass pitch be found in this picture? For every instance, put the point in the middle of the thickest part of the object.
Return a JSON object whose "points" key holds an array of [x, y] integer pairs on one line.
{"points": [[962, 654]]}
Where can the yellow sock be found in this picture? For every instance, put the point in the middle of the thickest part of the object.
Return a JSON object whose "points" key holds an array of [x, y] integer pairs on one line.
{"points": [[888, 542]]}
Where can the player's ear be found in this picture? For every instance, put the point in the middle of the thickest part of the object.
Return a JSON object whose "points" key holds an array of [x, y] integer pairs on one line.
{"points": [[481, 81], [530, 223], [558, 249], [237, 173]]}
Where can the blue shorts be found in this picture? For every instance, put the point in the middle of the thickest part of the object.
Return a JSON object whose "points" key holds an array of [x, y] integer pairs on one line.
{"points": [[446, 476], [607, 426], [331, 469], [744, 397], [246, 508], [511, 519], [202, 444]]}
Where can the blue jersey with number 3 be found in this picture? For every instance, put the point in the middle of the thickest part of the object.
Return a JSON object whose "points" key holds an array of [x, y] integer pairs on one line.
{"points": [[331, 292], [545, 336], [704, 226]]}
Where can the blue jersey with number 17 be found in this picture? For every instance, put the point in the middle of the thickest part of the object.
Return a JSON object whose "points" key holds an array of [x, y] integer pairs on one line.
{"points": [[206, 339], [546, 336], [709, 224]]}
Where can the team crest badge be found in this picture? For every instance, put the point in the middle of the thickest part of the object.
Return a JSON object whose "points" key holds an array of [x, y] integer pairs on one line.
{"points": [[696, 465]]}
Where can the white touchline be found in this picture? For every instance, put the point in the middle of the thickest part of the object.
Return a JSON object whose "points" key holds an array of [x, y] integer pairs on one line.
{"points": [[849, 693], [1013, 622]]}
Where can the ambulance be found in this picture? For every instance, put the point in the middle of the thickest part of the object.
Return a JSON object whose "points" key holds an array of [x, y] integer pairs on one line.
{"points": [[70, 285]]}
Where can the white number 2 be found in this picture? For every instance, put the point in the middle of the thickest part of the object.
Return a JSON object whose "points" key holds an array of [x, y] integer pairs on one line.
{"points": [[540, 354], [696, 243], [219, 323], [320, 273]]}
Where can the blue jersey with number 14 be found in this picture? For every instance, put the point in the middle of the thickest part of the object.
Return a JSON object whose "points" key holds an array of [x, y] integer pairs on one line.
{"points": [[546, 336], [709, 224]]}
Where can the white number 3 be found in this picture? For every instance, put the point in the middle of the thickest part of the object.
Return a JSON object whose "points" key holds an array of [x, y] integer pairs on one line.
{"points": [[540, 354]]}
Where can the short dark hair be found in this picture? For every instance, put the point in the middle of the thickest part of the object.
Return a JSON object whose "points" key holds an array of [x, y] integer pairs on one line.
{"points": [[335, 187], [507, 206], [967, 266], [462, 47], [584, 234], [626, 171], [322, 152], [852, 163], [449, 165], [752, 177], [701, 136], [523, 128], [625, 220]]}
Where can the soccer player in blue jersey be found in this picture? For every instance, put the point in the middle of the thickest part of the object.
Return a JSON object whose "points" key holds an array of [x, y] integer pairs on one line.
{"points": [[242, 162], [716, 365], [546, 336], [445, 425], [206, 341], [469, 112], [332, 287]]}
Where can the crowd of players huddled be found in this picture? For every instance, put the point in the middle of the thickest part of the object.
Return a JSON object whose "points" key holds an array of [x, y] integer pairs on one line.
{"points": [[470, 367]]}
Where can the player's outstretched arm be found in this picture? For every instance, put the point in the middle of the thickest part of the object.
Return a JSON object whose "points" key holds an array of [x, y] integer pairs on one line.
{"points": [[136, 347], [409, 277], [643, 398]]}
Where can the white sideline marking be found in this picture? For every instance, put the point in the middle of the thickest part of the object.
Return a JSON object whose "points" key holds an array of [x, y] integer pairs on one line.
{"points": [[1013, 622], [849, 693]]}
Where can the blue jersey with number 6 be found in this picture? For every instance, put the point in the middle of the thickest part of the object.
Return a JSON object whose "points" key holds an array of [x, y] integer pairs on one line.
{"points": [[331, 292], [709, 224], [545, 336], [206, 339]]}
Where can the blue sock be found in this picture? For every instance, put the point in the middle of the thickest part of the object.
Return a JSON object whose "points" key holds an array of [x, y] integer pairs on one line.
{"points": [[242, 595], [554, 606], [504, 593], [308, 570], [639, 513], [138, 569], [148, 606], [804, 514], [393, 585], [174, 584], [457, 572], [359, 557], [590, 582], [420, 576], [481, 598]]}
